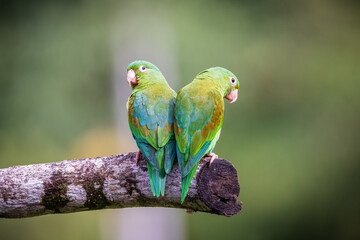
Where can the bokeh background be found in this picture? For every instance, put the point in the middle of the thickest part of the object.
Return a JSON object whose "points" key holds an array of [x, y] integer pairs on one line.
{"points": [[293, 134]]}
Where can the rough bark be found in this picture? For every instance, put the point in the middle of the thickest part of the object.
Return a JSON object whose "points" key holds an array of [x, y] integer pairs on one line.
{"points": [[112, 182]]}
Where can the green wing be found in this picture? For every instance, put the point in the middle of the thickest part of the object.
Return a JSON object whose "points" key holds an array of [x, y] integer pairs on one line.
{"points": [[151, 118], [198, 119]]}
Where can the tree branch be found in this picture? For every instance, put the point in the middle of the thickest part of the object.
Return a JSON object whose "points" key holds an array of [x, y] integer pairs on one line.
{"points": [[112, 182]]}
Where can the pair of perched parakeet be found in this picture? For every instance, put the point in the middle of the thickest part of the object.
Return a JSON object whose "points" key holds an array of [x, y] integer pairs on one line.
{"points": [[187, 125]]}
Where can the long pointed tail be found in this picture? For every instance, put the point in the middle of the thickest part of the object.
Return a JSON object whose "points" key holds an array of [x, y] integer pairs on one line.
{"points": [[162, 185], [158, 176], [152, 176], [157, 180], [185, 182]]}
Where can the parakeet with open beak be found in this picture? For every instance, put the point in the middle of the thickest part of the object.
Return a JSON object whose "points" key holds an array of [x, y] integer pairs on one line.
{"points": [[199, 111], [151, 120]]}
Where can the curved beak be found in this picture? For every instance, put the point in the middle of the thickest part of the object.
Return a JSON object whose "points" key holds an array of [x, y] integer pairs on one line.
{"points": [[232, 96], [131, 77]]}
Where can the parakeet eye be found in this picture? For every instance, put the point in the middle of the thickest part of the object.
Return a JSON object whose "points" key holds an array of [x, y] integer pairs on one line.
{"points": [[142, 68], [233, 81]]}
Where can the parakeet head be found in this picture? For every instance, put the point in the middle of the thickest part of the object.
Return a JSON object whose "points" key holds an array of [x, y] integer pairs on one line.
{"points": [[225, 80], [143, 73]]}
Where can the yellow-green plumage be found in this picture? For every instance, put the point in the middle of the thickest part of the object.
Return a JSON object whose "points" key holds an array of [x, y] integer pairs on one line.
{"points": [[199, 111], [151, 118]]}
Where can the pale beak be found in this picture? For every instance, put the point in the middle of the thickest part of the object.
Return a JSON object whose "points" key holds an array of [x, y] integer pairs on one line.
{"points": [[131, 77], [232, 96]]}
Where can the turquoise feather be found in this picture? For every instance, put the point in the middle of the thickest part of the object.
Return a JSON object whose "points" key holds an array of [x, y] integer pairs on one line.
{"points": [[199, 111], [151, 118]]}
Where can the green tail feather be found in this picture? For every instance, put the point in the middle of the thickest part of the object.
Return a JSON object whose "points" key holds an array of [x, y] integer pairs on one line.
{"points": [[157, 178], [152, 176], [162, 185], [185, 182]]}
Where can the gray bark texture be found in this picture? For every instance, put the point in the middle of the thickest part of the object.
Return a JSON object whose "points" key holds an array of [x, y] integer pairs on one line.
{"points": [[112, 182]]}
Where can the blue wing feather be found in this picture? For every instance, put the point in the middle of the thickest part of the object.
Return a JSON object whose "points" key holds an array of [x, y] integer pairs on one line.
{"points": [[170, 153], [194, 159], [148, 151], [160, 154]]}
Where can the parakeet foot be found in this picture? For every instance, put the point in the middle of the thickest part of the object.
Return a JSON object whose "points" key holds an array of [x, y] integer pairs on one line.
{"points": [[137, 157], [213, 157]]}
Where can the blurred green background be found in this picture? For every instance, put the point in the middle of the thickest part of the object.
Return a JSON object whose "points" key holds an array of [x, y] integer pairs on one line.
{"points": [[293, 134]]}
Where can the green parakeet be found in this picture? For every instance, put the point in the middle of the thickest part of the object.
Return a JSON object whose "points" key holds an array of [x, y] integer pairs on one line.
{"points": [[199, 111], [151, 120]]}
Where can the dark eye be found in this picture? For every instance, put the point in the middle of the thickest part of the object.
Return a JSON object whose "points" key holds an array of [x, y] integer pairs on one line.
{"points": [[142, 68], [232, 80]]}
